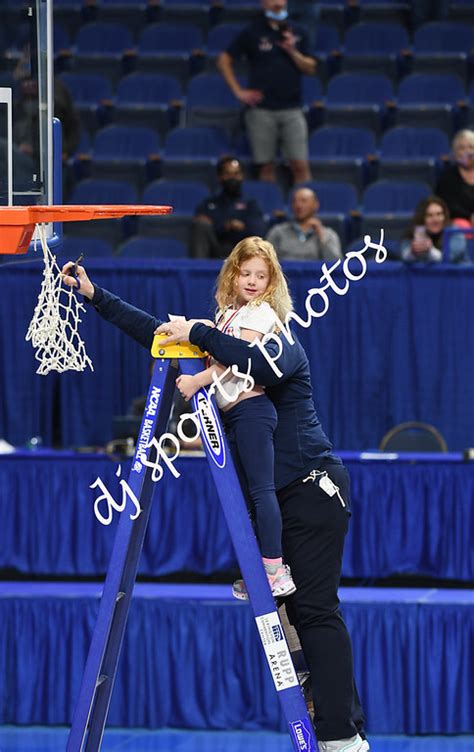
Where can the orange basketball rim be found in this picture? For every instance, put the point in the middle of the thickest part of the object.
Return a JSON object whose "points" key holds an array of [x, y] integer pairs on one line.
{"points": [[17, 223]]}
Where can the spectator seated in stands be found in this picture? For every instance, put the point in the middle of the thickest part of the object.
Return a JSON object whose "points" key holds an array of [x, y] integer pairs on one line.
{"points": [[278, 55], [456, 183], [424, 239], [305, 237], [222, 220]]}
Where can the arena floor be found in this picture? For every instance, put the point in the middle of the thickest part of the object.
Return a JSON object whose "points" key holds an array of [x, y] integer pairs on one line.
{"points": [[43, 739]]}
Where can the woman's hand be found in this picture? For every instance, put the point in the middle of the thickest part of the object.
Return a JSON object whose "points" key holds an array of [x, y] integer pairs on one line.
{"points": [[179, 329], [187, 385], [421, 245], [85, 286]]}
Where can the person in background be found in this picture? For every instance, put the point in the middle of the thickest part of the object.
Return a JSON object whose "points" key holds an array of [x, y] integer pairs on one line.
{"points": [[424, 239], [456, 182], [223, 220], [278, 55], [305, 237]]}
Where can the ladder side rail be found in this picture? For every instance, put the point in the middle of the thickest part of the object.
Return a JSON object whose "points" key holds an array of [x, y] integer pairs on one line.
{"points": [[92, 704], [249, 558]]}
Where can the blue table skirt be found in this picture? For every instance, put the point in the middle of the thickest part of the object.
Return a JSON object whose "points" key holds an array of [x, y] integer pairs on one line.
{"points": [[191, 658], [407, 518]]}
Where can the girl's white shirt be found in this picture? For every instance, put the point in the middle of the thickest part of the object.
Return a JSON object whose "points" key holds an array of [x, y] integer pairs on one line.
{"points": [[259, 318]]}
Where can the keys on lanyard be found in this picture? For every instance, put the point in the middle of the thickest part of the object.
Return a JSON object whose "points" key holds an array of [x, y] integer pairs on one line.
{"points": [[325, 483]]}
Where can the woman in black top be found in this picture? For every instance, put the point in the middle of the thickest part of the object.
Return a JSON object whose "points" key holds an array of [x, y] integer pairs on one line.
{"points": [[456, 183]]}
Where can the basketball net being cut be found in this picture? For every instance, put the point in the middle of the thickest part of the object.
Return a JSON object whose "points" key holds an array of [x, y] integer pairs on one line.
{"points": [[54, 328]]}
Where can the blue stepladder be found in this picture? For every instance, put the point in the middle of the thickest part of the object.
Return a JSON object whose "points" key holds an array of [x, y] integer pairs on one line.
{"points": [[92, 705]]}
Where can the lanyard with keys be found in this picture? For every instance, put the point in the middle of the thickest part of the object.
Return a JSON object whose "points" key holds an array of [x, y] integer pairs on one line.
{"points": [[325, 483]]}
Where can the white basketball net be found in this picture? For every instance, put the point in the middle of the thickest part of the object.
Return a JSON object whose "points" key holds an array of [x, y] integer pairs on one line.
{"points": [[53, 330]]}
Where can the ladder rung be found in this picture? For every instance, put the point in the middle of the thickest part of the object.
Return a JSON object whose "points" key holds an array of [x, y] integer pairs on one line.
{"points": [[102, 678], [119, 597]]}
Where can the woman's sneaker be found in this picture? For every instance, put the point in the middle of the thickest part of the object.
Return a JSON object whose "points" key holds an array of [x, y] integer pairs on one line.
{"points": [[279, 577], [343, 745], [239, 590]]}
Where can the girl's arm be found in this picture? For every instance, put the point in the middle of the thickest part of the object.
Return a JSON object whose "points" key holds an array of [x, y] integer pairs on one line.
{"points": [[189, 385]]}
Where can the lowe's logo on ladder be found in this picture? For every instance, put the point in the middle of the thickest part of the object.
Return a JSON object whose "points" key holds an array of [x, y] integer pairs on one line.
{"points": [[302, 736], [211, 430]]}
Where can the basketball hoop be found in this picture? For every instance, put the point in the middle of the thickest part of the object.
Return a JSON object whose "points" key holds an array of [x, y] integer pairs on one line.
{"points": [[53, 330]]}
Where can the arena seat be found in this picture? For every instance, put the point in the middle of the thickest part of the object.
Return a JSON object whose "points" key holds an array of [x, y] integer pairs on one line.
{"points": [[90, 93], [192, 153], [371, 46], [443, 47], [359, 98], [184, 197], [161, 247], [341, 153], [125, 152], [171, 48], [102, 47], [413, 153], [149, 99], [389, 204], [432, 100]]}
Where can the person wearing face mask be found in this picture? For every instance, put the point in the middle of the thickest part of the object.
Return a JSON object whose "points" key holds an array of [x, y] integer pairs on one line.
{"points": [[221, 221], [456, 182], [278, 55]]}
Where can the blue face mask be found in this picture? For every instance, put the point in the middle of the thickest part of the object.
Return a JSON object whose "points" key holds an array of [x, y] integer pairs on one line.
{"points": [[282, 15]]}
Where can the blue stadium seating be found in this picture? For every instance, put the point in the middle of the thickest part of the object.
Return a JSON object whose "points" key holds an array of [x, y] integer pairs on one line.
{"points": [[341, 153], [183, 196], [96, 191], [210, 102], [92, 247], [162, 247], [359, 98], [413, 153], [443, 47], [103, 47], [375, 47], [126, 152], [221, 36], [389, 204], [169, 48], [134, 13], [388, 11], [432, 100], [92, 95], [149, 99], [193, 153], [268, 196], [312, 94]]}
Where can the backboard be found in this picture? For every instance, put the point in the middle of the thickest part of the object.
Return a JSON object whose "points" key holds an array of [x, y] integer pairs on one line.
{"points": [[26, 104]]}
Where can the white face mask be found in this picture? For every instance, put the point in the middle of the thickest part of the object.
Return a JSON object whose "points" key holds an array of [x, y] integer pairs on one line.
{"points": [[282, 15]]}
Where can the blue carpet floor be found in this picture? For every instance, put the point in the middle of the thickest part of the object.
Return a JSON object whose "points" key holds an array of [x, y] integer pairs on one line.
{"points": [[41, 739]]}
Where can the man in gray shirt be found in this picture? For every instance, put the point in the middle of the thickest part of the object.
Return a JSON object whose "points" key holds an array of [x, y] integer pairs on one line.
{"points": [[305, 238]]}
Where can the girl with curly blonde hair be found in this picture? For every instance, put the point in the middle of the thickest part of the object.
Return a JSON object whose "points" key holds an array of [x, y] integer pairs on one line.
{"points": [[252, 294]]}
